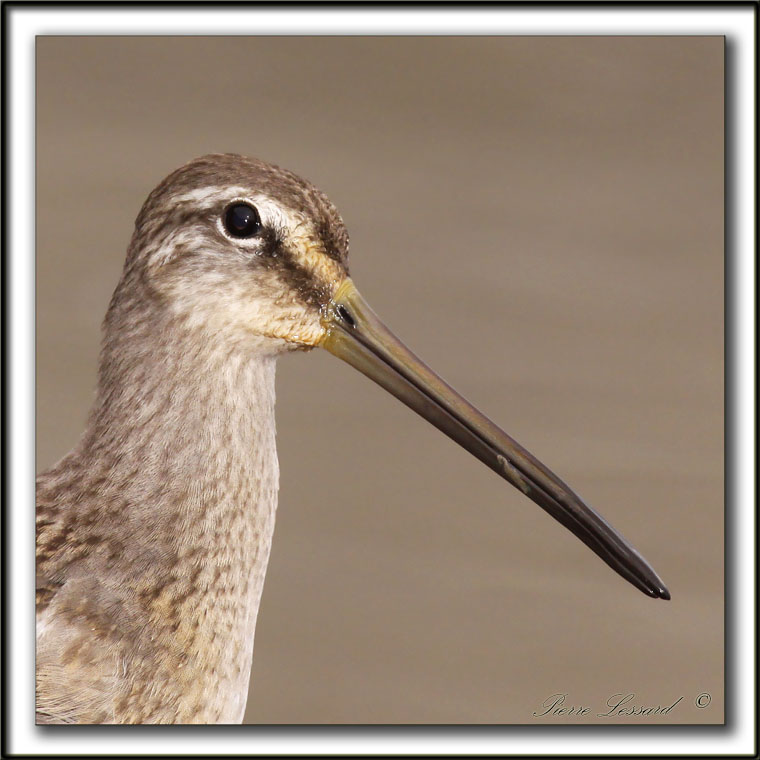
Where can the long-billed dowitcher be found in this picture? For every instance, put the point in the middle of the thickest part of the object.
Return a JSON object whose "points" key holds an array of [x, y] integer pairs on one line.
{"points": [[153, 534]]}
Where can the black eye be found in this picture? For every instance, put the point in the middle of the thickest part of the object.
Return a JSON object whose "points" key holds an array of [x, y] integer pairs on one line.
{"points": [[241, 220]]}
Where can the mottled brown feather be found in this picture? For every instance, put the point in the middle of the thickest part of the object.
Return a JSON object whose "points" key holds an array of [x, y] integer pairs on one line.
{"points": [[153, 534]]}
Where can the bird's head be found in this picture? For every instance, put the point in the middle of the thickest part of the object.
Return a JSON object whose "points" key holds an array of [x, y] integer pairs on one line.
{"points": [[251, 257], [242, 251]]}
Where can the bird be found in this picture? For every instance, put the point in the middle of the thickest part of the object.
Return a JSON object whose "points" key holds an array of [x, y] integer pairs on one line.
{"points": [[154, 531]]}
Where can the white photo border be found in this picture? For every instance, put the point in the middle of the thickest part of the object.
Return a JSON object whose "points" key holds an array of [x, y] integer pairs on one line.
{"points": [[23, 22]]}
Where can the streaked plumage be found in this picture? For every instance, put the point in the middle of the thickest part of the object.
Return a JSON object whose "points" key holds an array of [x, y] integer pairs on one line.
{"points": [[153, 534]]}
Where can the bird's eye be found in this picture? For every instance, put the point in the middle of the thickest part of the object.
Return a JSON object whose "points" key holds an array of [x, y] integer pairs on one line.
{"points": [[241, 220]]}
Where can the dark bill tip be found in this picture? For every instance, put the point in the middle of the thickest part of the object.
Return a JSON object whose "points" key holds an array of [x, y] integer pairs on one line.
{"points": [[355, 334]]}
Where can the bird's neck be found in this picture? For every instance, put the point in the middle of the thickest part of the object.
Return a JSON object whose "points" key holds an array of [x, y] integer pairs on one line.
{"points": [[181, 452]]}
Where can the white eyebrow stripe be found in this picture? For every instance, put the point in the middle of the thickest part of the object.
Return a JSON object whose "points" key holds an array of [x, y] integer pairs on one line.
{"points": [[207, 196], [292, 225], [275, 215], [271, 212]]}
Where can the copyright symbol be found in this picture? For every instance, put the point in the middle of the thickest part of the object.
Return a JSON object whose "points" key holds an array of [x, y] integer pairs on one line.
{"points": [[703, 700]]}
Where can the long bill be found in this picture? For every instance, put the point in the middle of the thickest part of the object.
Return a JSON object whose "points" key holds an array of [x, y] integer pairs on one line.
{"points": [[355, 334]]}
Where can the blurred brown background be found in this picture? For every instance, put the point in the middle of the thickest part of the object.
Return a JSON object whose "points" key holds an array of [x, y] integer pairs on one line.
{"points": [[541, 220]]}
